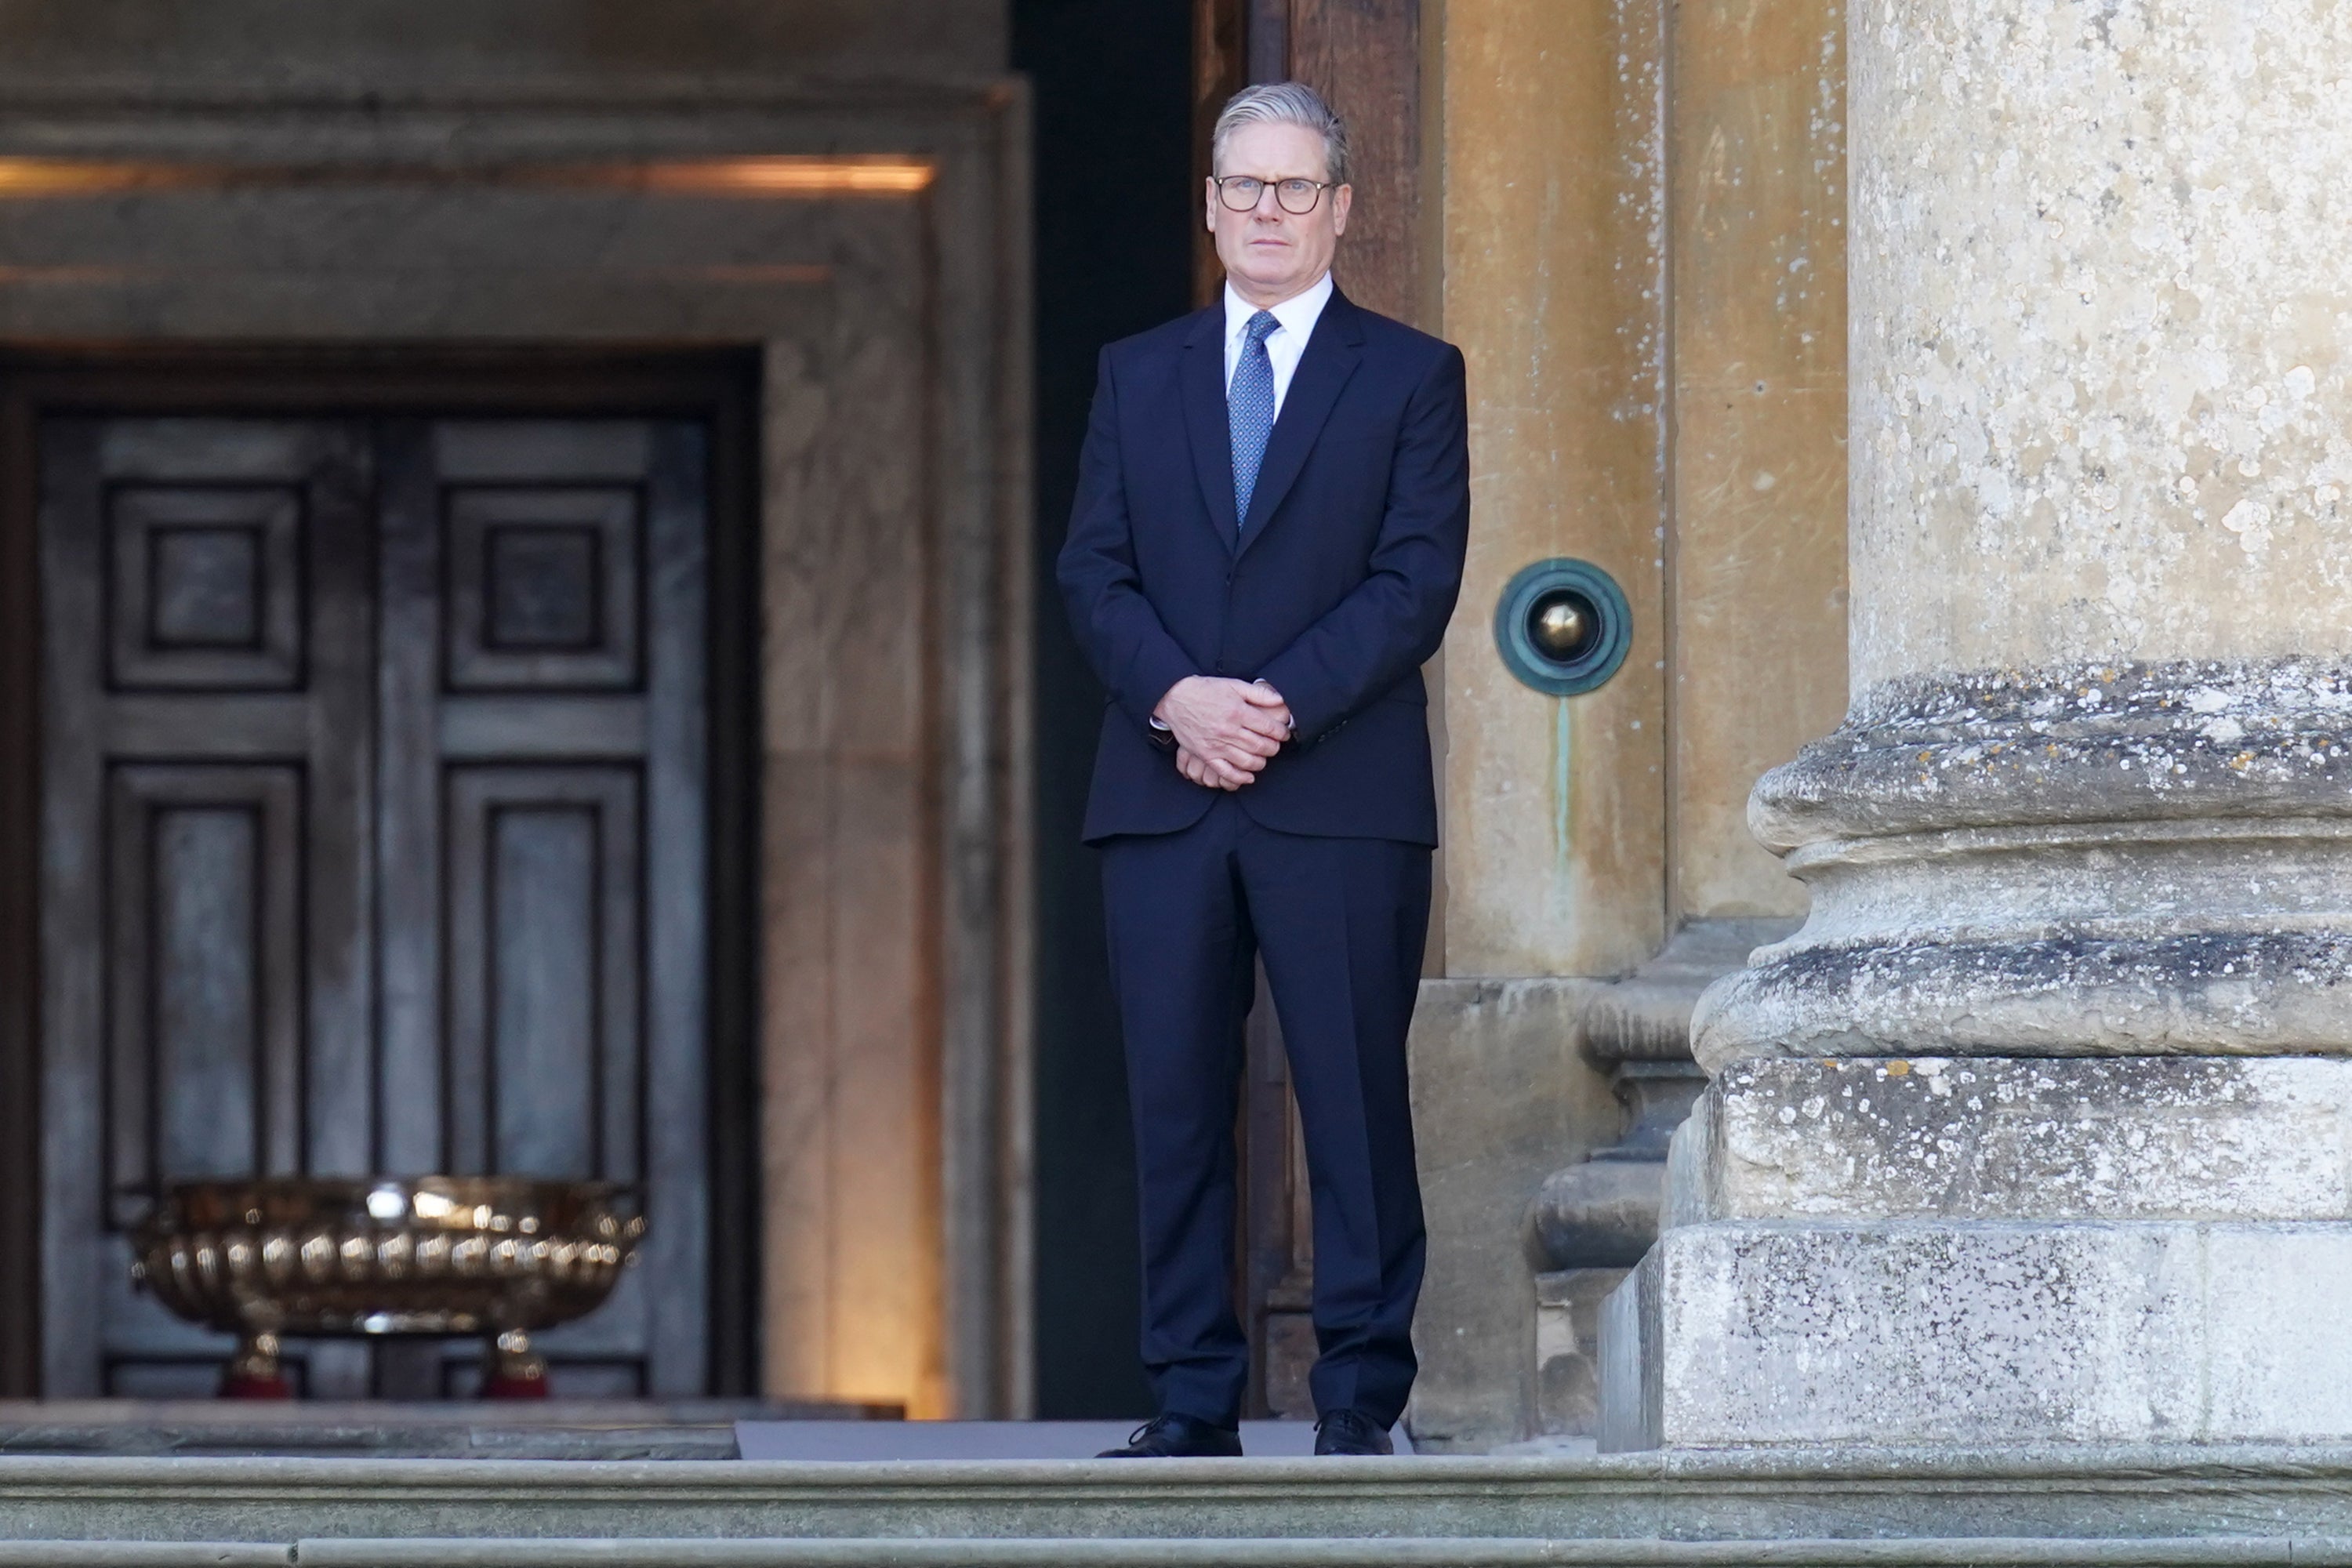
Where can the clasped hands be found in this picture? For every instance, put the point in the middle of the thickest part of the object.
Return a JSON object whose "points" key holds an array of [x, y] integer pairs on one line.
{"points": [[1225, 729]]}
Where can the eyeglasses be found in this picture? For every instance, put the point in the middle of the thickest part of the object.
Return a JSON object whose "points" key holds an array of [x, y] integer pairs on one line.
{"points": [[1241, 193]]}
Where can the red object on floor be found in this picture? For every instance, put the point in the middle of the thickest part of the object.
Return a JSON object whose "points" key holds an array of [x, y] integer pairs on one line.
{"points": [[495, 1387], [240, 1385]]}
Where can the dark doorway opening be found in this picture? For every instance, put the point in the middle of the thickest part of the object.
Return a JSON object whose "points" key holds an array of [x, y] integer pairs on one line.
{"points": [[372, 401], [1117, 212]]}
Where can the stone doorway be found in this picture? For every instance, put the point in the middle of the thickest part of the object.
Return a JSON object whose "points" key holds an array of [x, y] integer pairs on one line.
{"points": [[862, 249], [392, 794]]}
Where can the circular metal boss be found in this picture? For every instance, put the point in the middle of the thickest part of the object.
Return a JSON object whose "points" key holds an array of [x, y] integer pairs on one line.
{"points": [[1563, 627]]}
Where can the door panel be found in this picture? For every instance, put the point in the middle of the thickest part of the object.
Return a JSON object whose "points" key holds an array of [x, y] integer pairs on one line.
{"points": [[544, 882], [374, 836], [546, 900], [204, 711], [205, 588], [204, 1020], [543, 588]]}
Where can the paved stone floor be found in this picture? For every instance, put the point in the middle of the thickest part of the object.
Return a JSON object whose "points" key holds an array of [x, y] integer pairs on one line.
{"points": [[512, 1429]]}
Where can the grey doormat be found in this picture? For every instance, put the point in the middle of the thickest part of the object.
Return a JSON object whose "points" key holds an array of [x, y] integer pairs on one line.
{"points": [[887, 1440]]}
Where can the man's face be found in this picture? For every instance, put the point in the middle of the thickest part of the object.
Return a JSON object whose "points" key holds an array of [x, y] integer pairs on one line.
{"points": [[1270, 254]]}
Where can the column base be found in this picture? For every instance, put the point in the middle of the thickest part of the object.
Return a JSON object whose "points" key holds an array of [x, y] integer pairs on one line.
{"points": [[1740, 1333], [2146, 859], [1981, 1251]]}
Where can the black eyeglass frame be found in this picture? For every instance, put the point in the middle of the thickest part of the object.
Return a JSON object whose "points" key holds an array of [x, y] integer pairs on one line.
{"points": [[1225, 183]]}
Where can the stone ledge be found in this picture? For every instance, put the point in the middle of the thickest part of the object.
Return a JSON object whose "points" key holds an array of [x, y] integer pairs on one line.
{"points": [[2133, 1137], [2090, 743], [2076, 994], [2133, 859]]}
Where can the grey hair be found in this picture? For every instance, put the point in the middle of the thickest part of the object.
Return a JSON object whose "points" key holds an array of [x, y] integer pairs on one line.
{"points": [[1287, 103]]}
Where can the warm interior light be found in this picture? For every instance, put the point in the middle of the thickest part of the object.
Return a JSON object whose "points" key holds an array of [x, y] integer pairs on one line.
{"points": [[80, 177], [778, 176], [791, 176]]}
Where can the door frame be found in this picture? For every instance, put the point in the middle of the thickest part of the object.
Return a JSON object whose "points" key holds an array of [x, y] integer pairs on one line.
{"points": [[721, 385]]}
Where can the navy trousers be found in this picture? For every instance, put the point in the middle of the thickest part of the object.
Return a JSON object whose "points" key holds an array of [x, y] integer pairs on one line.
{"points": [[1340, 923]]}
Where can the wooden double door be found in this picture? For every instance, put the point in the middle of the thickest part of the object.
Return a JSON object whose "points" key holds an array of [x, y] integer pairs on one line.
{"points": [[374, 838]]}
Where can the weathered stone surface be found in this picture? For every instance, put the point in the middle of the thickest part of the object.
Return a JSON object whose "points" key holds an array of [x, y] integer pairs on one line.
{"points": [[2099, 387], [1647, 1016], [1593, 1220], [1600, 1214], [1992, 1138], [1568, 1348], [2128, 859], [1499, 1090], [1761, 1332], [2103, 741], [2090, 795], [2092, 800], [2071, 994]]}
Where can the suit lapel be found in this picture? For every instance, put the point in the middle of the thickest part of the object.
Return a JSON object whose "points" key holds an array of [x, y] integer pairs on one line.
{"points": [[1202, 370], [1332, 356]]}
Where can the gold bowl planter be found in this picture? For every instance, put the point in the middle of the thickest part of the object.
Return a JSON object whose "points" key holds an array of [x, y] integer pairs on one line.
{"points": [[495, 1256]]}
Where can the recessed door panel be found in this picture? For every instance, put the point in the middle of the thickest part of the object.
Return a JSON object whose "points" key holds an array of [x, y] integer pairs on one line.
{"points": [[374, 836], [546, 888], [204, 982]]}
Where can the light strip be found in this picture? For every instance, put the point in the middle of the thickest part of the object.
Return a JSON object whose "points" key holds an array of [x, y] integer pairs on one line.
{"points": [[75, 176], [790, 176], [779, 176]]}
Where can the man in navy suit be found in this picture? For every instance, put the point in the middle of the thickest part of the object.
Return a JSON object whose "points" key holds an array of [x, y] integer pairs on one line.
{"points": [[1272, 509]]}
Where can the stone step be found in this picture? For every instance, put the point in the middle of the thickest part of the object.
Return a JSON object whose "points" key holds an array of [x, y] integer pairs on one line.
{"points": [[452, 1551], [1667, 1509]]}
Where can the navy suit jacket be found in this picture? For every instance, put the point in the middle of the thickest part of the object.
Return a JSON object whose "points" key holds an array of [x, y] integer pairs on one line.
{"points": [[1334, 590]]}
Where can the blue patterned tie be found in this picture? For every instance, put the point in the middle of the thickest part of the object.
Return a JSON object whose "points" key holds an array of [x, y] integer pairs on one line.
{"points": [[1249, 410]]}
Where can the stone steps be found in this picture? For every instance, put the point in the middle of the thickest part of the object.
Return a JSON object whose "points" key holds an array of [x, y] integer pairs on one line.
{"points": [[2223, 1552], [2085, 1507]]}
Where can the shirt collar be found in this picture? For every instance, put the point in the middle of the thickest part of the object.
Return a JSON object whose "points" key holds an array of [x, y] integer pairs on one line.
{"points": [[1296, 314]]}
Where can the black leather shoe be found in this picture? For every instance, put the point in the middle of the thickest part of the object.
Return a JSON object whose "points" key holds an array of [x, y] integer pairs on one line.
{"points": [[1351, 1432], [1174, 1437]]}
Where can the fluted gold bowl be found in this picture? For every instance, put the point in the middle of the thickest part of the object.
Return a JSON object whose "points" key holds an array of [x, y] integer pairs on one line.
{"points": [[495, 1256]]}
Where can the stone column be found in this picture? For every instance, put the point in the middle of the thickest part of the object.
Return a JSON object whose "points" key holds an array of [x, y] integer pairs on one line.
{"points": [[2042, 1126]]}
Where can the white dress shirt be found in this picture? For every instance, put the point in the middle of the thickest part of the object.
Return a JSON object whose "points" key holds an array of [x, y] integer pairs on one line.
{"points": [[1297, 317]]}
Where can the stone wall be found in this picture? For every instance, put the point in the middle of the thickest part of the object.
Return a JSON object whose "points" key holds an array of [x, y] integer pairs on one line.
{"points": [[1757, 547], [60, 46], [1643, 246]]}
